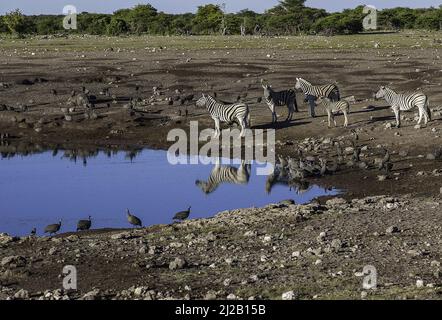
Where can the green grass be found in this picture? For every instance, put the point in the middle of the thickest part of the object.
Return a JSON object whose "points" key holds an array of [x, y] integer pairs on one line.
{"points": [[408, 39]]}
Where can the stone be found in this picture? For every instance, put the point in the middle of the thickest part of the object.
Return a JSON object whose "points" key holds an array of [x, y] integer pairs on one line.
{"points": [[21, 294], [177, 263], [91, 295], [420, 283], [289, 295], [13, 261], [336, 201], [210, 295], [392, 229], [6, 238], [336, 244], [52, 251]]}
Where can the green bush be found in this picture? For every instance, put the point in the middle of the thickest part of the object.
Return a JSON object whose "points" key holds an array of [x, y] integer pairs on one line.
{"points": [[207, 19], [117, 27]]}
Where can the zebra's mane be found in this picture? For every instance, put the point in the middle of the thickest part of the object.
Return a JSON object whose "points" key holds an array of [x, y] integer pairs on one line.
{"points": [[305, 81], [210, 98]]}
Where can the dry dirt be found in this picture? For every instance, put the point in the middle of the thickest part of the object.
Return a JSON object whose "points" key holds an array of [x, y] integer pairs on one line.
{"points": [[34, 121]]}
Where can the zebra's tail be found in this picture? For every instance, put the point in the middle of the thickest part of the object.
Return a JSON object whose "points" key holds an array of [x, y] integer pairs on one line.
{"points": [[249, 120]]}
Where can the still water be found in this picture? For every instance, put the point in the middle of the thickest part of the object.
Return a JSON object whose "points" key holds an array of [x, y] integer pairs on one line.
{"points": [[40, 189]]}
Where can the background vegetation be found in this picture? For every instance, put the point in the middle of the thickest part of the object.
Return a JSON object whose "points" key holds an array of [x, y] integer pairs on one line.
{"points": [[289, 17]]}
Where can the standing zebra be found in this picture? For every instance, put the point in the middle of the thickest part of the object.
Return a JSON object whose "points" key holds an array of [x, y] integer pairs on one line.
{"points": [[330, 107], [225, 174], [281, 98], [226, 113], [330, 91], [404, 102]]}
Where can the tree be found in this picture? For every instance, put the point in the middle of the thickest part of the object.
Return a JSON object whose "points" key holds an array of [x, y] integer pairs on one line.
{"points": [[288, 6], [141, 18], [208, 19], [49, 24], [430, 20], [15, 21], [117, 27], [182, 24]]}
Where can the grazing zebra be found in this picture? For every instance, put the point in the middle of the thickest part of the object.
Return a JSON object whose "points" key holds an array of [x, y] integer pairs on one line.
{"points": [[225, 174], [330, 91], [226, 113], [281, 98], [331, 107], [404, 102]]}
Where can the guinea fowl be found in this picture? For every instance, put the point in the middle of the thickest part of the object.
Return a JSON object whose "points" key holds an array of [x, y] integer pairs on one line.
{"points": [[53, 228], [133, 220], [182, 215], [83, 225]]}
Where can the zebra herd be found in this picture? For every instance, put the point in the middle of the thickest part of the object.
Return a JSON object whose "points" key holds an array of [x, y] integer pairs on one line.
{"points": [[328, 95]]}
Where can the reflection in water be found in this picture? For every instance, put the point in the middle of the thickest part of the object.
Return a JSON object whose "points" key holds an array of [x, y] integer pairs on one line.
{"points": [[225, 174], [114, 180], [281, 176]]}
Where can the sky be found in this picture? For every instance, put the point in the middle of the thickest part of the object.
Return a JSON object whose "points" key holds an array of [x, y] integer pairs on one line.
{"points": [[180, 6]]}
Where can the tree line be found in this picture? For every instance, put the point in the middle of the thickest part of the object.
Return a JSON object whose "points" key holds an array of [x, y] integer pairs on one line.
{"points": [[289, 17]]}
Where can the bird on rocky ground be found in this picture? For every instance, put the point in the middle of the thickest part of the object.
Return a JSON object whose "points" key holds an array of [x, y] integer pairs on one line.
{"points": [[355, 135], [283, 162], [84, 90], [339, 151], [182, 215], [34, 232], [133, 220], [53, 228], [54, 92], [83, 225], [381, 162], [356, 154], [323, 164]]}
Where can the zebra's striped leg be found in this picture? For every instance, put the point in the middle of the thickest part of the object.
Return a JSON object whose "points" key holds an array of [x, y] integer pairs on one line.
{"points": [[243, 128], [397, 114], [421, 115], [217, 128], [329, 118], [346, 119]]}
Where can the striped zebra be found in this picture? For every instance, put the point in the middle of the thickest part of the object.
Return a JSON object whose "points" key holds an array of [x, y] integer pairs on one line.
{"points": [[330, 91], [280, 98], [404, 102], [237, 112], [330, 107], [225, 174]]}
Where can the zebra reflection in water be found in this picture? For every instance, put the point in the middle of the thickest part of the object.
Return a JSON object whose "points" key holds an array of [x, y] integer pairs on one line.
{"points": [[281, 176], [225, 174]]}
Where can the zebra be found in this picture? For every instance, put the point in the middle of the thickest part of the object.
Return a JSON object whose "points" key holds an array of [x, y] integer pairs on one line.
{"points": [[331, 107], [281, 98], [226, 113], [330, 91], [225, 174], [404, 102]]}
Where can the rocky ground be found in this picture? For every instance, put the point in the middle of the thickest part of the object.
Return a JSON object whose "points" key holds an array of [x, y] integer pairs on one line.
{"points": [[136, 91], [314, 251]]}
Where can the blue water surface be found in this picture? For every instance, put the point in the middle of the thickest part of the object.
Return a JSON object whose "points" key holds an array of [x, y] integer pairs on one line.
{"points": [[40, 189]]}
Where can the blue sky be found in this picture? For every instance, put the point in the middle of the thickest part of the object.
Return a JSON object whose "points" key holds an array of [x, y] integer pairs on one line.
{"points": [[178, 6]]}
